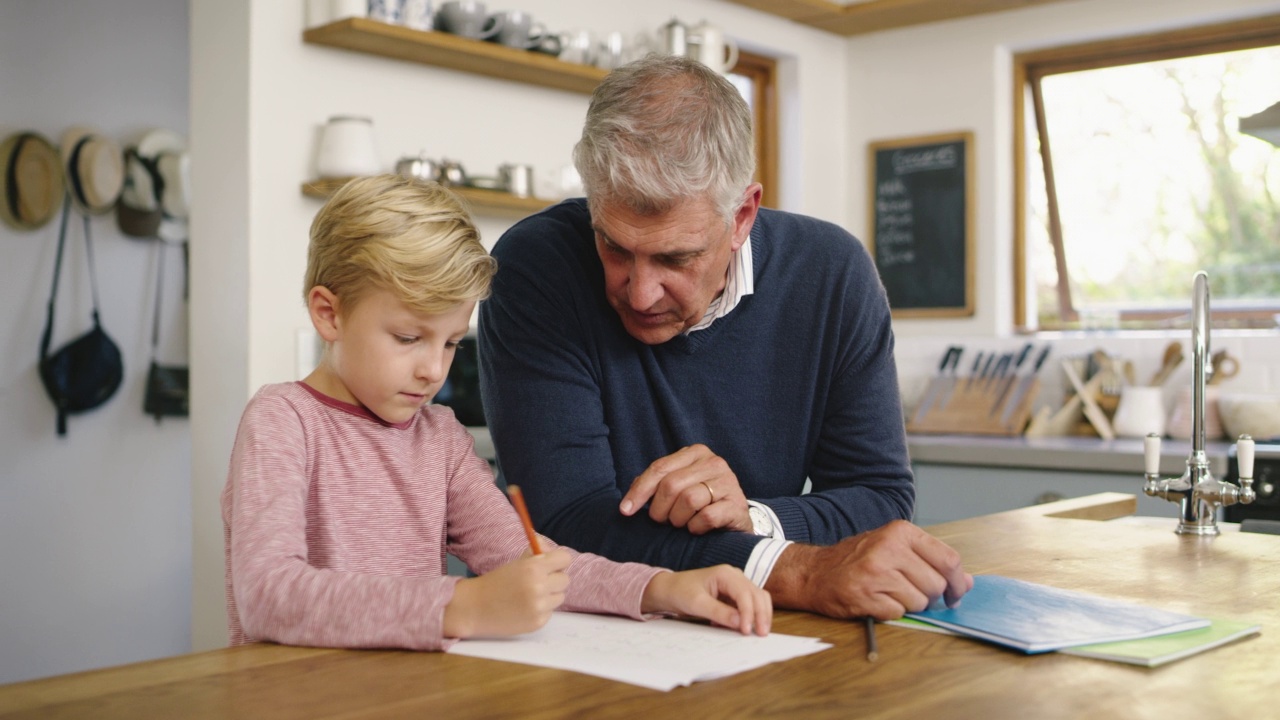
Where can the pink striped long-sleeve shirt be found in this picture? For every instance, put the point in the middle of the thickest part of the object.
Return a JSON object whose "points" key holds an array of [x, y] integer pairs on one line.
{"points": [[337, 524]]}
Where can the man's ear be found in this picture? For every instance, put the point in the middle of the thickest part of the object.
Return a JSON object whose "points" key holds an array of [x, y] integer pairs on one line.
{"points": [[322, 304], [745, 217]]}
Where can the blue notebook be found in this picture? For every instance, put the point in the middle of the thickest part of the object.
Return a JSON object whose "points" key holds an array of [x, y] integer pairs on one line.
{"points": [[1037, 618]]}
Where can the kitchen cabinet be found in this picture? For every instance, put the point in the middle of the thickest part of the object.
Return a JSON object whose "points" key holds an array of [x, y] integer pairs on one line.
{"points": [[455, 53], [961, 476], [955, 492], [489, 202]]}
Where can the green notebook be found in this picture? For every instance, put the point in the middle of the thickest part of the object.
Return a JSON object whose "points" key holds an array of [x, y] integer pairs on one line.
{"points": [[1162, 649], [1148, 652]]}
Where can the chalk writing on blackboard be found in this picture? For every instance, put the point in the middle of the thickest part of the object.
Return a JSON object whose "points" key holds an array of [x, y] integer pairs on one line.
{"points": [[921, 239]]}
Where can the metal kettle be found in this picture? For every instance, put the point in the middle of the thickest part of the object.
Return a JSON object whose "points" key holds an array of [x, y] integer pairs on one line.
{"points": [[421, 167], [673, 38]]}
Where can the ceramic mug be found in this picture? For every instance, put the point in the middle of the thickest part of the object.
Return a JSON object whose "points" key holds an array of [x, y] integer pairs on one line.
{"points": [[578, 46], [417, 14], [518, 30], [387, 11], [468, 18]]}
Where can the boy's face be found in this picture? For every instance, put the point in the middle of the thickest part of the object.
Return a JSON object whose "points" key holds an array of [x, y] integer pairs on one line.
{"points": [[385, 356]]}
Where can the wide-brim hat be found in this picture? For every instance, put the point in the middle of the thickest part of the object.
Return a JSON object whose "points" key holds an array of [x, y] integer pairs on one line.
{"points": [[94, 169], [31, 184], [157, 171]]}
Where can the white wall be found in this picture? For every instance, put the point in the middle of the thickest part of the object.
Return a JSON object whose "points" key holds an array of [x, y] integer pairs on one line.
{"points": [[95, 527], [251, 153], [958, 76]]}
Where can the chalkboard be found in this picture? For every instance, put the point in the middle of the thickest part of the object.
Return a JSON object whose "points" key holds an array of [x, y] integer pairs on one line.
{"points": [[921, 198]]}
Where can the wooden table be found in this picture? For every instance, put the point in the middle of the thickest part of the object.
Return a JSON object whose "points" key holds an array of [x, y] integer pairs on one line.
{"points": [[919, 675]]}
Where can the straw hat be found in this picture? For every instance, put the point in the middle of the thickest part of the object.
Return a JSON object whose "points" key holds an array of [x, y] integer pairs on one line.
{"points": [[30, 180], [94, 169], [154, 200]]}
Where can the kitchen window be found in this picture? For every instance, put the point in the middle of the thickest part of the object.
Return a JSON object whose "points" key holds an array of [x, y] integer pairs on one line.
{"points": [[754, 76], [1132, 173]]}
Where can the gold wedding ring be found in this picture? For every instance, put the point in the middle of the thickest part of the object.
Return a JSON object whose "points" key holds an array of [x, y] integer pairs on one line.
{"points": [[709, 492]]}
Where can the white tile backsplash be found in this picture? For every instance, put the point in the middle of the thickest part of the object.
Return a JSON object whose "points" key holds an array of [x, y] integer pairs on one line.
{"points": [[1257, 351]]}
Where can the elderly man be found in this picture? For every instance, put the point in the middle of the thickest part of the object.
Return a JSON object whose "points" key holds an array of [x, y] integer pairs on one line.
{"points": [[664, 364]]}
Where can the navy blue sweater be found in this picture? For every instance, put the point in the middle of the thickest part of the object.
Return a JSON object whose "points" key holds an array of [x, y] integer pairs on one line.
{"points": [[797, 381]]}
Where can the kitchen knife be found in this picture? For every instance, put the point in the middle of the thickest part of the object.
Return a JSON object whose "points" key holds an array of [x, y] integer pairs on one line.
{"points": [[973, 371], [944, 398], [986, 370], [951, 357], [999, 371], [1023, 384], [1007, 382]]}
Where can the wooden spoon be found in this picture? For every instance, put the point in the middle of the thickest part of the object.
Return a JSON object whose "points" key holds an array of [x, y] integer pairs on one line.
{"points": [[1172, 359]]}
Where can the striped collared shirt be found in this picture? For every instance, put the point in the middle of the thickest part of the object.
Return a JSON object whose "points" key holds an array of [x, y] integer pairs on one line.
{"points": [[739, 282]]}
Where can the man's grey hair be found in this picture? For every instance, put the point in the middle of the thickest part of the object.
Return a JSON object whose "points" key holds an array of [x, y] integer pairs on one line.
{"points": [[664, 129]]}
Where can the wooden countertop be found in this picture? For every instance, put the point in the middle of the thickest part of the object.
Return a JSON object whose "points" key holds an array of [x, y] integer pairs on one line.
{"points": [[919, 675]]}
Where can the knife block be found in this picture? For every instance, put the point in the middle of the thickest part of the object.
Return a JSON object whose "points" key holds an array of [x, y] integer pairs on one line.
{"points": [[971, 408]]}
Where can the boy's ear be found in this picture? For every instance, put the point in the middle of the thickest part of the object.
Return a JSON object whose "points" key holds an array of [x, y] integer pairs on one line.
{"points": [[322, 304]]}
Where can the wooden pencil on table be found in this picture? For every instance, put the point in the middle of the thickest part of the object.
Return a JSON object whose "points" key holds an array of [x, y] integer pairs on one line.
{"points": [[873, 652]]}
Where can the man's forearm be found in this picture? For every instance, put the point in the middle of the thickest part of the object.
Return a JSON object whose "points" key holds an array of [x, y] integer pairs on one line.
{"points": [[790, 581]]}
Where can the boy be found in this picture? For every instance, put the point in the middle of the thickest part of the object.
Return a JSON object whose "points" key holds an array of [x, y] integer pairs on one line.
{"points": [[346, 489]]}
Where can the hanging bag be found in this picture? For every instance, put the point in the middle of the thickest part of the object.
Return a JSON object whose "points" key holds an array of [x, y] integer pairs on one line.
{"points": [[87, 371], [167, 392]]}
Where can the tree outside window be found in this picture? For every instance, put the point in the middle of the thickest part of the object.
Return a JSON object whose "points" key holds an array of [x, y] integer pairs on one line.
{"points": [[1133, 174]]}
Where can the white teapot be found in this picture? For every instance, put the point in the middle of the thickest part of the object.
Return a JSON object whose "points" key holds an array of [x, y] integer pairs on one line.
{"points": [[709, 45]]}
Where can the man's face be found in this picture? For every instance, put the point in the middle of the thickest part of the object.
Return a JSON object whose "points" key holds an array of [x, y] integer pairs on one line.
{"points": [[661, 272]]}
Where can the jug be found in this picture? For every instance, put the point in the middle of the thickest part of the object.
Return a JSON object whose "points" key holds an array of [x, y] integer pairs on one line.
{"points": [[346, 148], [1141, 411], [673, 38], [708, 45]]}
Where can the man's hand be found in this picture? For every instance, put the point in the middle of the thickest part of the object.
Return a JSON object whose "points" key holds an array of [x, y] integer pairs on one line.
{"points": [[882, 573], [692, 488]]}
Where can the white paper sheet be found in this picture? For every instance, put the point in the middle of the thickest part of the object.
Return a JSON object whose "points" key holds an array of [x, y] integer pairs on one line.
{"points": [[658, 654]]}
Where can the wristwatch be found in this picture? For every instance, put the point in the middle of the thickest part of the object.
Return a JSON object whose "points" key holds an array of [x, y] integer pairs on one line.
{"points": [[761, 523]]}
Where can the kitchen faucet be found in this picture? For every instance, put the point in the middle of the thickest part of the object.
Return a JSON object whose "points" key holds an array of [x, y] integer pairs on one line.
{"points": [[1198, 493]]}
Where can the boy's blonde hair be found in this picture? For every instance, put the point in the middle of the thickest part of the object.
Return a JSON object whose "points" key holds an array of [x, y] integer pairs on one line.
{"points": [[410, 237]]}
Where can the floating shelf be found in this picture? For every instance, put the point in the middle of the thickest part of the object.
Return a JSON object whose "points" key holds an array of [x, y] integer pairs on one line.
{"points": [[456, 53], [489, 202]]}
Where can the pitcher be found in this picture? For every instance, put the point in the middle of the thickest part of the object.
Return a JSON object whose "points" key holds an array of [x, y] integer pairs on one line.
{"points": [[709, 45]]}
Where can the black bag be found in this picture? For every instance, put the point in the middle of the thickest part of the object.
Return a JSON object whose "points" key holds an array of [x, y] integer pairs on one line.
{"points": [[87, 371], [167, 385]]}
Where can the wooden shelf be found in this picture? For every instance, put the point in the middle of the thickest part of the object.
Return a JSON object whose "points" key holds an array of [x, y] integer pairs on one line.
{"points": [[456, 53], [489, 202]]}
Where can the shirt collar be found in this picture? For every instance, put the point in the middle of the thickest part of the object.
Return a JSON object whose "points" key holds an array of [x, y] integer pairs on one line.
{"points": [[739, 282]]}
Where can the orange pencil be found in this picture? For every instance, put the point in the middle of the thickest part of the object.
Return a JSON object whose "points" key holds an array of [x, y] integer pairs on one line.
{"points": [[517, 499]]}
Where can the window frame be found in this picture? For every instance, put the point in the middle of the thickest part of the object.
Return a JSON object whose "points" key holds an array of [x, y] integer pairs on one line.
{"points": [[1030, 67], [763, 72]]}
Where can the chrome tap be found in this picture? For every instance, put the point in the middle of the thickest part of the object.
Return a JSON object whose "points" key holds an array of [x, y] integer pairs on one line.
{"points": [[1199, 494]]}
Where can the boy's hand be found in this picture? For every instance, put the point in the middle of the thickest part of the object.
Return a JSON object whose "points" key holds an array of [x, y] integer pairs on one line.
{"points": [[513, 599], [721, 594]]}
